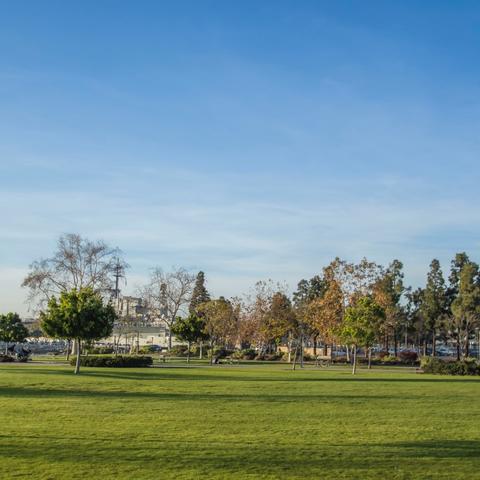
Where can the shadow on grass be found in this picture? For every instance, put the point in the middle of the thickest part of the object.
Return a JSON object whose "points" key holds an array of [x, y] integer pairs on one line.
{"points": [[198, 374], [437, 449], [422, 458], [33, 392]]}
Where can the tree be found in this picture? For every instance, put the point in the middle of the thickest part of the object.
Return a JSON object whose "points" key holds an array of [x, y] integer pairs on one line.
{"points": [[415, 324], [325, 313], [220, 322], [279, 321], [167, 295], [466, 307], [12, 329], [200, 294], [308, 291], [252, 312], [190, 329], [360, 325], [457, 264], [77, 263], [387, 291], [434, 302], [80, 315]]}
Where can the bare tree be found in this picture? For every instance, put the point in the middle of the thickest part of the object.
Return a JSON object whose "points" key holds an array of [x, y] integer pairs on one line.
{"points": [[77, 263], [167, 295]]}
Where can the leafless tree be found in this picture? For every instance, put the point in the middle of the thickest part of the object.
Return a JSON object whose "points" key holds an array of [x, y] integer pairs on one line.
{"points": [[167, 295], [77, 263]]}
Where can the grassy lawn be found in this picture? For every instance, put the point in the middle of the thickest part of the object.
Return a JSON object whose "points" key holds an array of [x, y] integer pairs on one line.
{"points": [[236, 422]]}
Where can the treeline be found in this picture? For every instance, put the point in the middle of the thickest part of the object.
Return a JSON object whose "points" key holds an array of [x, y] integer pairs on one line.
{"points": [[351, 304]]}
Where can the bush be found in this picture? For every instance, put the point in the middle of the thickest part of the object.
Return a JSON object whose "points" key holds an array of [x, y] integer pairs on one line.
{"points": [[389, 360], [269, 357], [178, 351], [248, 354], [119, 361], [148, 349], [435, 365], [6, 358], [221, 352], [408, 357], [100, 350]]}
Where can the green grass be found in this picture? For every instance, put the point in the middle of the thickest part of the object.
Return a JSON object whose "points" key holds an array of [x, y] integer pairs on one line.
{"points": [[240, 422]]}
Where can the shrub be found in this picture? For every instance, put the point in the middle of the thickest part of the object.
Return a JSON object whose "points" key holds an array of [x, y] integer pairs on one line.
{"points": [[442, 367], [178, 351], [6, 358], [408, 357], [100, 350], [269, 357], [221, 352], [119, 361], [389, 360], [148, 349], [248, 354]]}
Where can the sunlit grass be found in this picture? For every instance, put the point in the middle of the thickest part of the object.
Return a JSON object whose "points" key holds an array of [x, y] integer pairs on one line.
{"points": [[236, 422]]}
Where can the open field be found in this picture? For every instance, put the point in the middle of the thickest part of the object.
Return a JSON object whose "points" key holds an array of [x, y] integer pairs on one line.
{"points": [[236, 422]]}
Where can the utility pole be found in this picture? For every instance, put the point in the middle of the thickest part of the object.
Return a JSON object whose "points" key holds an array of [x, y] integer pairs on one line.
{"points": [[118, 273]]}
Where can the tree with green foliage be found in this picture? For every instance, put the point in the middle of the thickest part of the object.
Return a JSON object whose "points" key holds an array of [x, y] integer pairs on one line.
{"points": [[190, 329], [360, 325], [434, 303], [388, 290], [220, 322], [200, 293], [80, 315], [466, 307], [457, 264], [12, 329], [414, 322]]}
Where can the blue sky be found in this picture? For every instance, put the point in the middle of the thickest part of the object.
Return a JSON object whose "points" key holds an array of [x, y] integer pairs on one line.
{"points": [[248, 139]]}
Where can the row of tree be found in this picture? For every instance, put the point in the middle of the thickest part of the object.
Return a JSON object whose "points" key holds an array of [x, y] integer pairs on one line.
{"points": [[350, 304], [354, 304]]}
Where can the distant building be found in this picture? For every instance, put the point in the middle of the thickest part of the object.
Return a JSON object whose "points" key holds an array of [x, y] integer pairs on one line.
{"points": [[135, 327]]}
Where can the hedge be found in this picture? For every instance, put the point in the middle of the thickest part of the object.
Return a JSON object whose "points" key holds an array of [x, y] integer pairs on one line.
{"points": [[6, 358], [119, 361], [461, 367]]}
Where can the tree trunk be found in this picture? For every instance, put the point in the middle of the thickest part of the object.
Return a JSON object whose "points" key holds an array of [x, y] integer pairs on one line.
{"points": [[315, 345], [395, 343], [348, 353], [301, 352], [354, 367], [201, 350], [434, 344], [369, 358], [295, 357], [69, 342], [169, 339], [77, 363], [188, 353], [458, 347]]}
